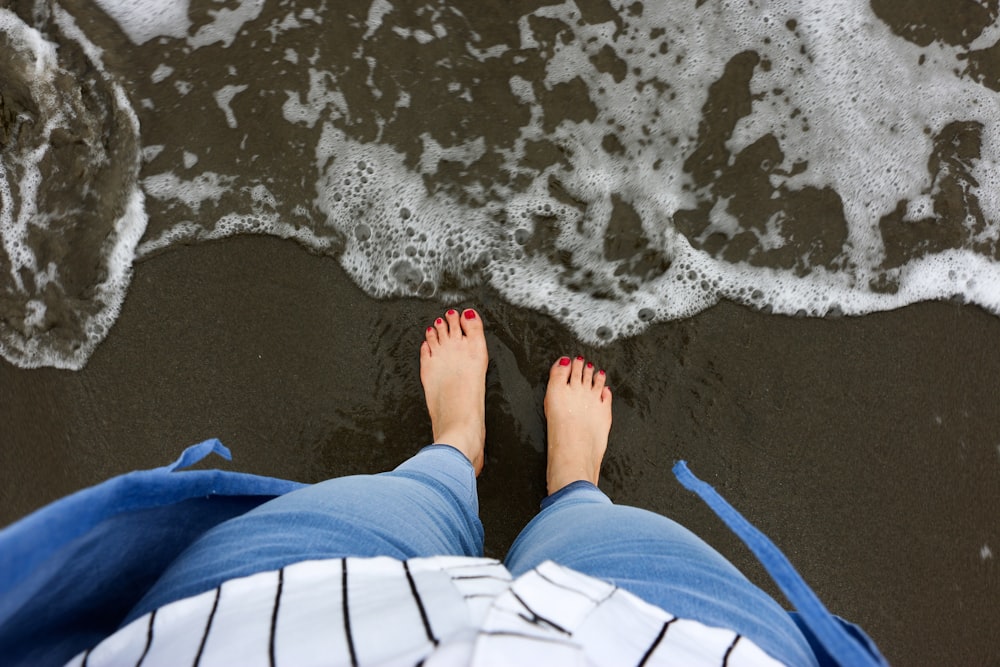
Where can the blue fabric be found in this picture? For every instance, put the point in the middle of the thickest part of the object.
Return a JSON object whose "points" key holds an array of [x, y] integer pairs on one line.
{"points": [[842, 643], [658, 560], [71, 571], [428, 506]]}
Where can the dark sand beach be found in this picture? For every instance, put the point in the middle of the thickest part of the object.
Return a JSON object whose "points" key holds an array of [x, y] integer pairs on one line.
{"points": [[866, 447]]}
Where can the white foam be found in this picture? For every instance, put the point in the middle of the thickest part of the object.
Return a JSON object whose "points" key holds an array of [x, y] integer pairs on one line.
{"points": [[38, 57], [855, 85], [838, 90], [465, 153], [263, 218], [161, 73], [376, 12], [224, 98], [25, 345], [226, 24], [321, 95], [384, 213], [149, 153], [865, 107], [143, 20], [207, 186]]}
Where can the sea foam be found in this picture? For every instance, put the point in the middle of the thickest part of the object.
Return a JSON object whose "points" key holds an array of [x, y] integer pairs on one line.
{"points": [[60, 300], [611, 167], [840, 95]]}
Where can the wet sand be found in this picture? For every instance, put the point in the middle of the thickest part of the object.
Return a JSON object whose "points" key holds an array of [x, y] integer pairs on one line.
{"points": [[866, 448]]}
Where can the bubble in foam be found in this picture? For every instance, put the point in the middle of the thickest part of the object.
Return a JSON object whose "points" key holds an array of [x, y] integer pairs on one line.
{"points": [[407, 275]]}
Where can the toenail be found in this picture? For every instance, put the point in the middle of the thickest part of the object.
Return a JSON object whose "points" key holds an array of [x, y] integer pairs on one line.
{"points": [[430, 328], [470, 314], [590, 365], [439, 321], [564, 361], [601, 372], [451, 312], [579, 358]]}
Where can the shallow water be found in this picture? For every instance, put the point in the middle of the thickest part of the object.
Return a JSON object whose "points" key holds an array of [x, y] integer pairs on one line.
{"points": [[610, 164]]}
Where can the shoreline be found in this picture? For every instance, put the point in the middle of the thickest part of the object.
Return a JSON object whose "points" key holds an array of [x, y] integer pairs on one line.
{"points": [[864, 447]]}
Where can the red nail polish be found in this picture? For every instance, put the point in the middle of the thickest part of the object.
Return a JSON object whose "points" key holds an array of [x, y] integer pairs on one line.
{"points": [[601, 372], [564, 361], [439, 321], [430, 328], [579, 358], [590, 365], [451, 312], [470, 314]]}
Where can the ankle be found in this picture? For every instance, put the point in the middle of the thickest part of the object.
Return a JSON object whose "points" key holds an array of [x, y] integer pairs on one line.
{"points": [[470, 444], [566, 475]]}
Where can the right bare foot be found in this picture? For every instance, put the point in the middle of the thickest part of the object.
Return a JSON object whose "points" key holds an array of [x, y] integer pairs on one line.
{"points": [[453, 360], [578, 412]]}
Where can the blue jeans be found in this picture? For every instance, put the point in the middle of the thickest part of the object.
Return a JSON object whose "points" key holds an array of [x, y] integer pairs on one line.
{"points": [[428, 506]]}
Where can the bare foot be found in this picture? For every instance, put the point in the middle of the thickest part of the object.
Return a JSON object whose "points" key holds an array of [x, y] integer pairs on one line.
{"points": [[578, 412], [453, 371]]}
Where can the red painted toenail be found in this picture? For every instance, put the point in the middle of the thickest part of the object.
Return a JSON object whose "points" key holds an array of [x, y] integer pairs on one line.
{"points": [[579, 358], [590, 365], [470, 314], [601, 372], [451, 312], [564, 361], [430, 328], [439, 321]]}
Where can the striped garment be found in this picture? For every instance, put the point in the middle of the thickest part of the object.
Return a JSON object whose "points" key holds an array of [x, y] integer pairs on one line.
{"points": [[431, 611]]}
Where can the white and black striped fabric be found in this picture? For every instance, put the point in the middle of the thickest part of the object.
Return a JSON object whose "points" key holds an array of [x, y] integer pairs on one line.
{"points": [[438, 611]]}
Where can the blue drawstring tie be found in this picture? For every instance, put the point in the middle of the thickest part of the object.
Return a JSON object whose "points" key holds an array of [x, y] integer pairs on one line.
{"points": [[843, 645]]}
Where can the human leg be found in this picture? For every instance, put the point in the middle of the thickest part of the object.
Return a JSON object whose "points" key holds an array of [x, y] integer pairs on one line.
{"points": [[427, 506], [644, 553]]}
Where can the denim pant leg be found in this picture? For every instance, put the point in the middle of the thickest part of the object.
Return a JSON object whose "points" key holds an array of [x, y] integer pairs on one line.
{"points": [[428, 506], [658, 560]]}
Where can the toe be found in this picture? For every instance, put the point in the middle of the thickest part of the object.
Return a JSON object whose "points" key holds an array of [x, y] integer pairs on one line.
{"points": [[588, 374], [425, 348], [454, 328], [577, 372], [600, 379], [606, 395], [559, 373], [440, 330], [472, 324]]}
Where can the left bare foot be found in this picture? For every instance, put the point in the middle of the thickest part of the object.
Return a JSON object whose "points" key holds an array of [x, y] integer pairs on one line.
{"points": [[578, 415], [453, 362]]}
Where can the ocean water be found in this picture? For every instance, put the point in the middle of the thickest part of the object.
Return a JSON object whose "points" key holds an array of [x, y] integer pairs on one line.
{"points": [[610, 163]]}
